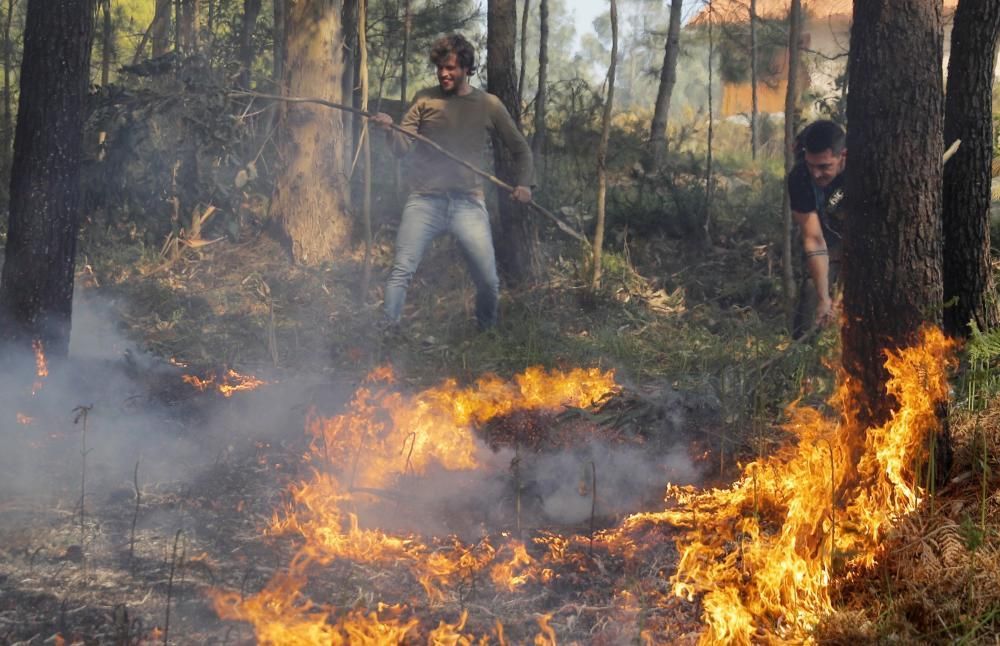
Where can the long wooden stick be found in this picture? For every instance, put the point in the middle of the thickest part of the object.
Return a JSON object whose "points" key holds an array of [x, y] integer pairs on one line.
{"points": [[418, 137]]}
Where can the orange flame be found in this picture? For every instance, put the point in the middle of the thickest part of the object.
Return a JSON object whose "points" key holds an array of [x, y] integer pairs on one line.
{"points": [[41, 365], [25, 420], [763, 552], [230, 383], [384, 435]]}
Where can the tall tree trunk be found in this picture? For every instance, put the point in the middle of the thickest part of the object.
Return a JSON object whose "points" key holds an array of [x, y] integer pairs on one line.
{"points": [[107, 43], [968, 279], [278, 70], [892, 269], [187, 25], [160, 31], [541, 95], [518, 248], [8, 69], [525, 10], [753, 79], [366, 152], [404, 75], [791, 112], [36, 288], [602, 151], [707, 215], [668, 79], [351, 92], [311, 189], [251, 10]]}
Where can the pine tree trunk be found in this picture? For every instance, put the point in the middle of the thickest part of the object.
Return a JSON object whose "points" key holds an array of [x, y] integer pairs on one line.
{"points": [[668, 79], [351, 92], [310, 191], [36, 288], [525, 10], [107, 41], [707, 210], [892, 268], [541, 96], [602, 152], [968, 279], [187, 25], [278, 64], [518, 248], [161, 27], [753, 80], [8, 70], [251, 10], [791, 112]]}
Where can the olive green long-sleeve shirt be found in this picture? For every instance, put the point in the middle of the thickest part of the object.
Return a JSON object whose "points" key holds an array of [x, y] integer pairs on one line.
{"points": [[461, 125]]}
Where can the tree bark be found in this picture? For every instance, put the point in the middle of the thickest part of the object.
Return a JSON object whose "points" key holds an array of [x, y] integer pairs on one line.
{"points": [[349, 83], [8, 69], [251, 11], [707, 214], [107, 43], [278, 69], [791, 114], [404, 74], [602, 151], [968, 279], [541, 95], [310, 191], [518, 248], [187, 25], [525, 10], [366, 152], [161, 27], [753, 80], [892, 267], [36, 288], [668, 79]]}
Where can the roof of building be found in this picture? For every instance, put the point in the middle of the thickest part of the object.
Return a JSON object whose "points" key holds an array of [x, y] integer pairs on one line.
{"points": [[735, 11]]}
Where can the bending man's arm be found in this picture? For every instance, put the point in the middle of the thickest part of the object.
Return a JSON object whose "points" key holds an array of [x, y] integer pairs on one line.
{"points": [[503, 125], [817, 262]]}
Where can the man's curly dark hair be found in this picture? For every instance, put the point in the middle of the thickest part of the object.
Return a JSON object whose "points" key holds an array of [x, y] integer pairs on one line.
{"points": [[455, 44]]}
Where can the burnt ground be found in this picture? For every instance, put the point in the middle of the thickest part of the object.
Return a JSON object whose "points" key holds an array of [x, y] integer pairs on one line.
{"points": [[181, 507]]}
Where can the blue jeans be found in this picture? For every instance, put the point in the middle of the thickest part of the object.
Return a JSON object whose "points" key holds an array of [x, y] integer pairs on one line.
{"points": [[427, 216]]}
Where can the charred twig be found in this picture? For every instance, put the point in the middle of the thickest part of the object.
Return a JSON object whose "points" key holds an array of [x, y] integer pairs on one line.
{"points": [[418, 137], [170, 583], [135, 516]]}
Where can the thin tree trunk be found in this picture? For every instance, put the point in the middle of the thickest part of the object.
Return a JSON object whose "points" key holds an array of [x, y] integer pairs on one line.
{"points": [[351, 75], [8, 65], [278, 70], [518, 247], [251, 10], [366, 151], [791, 110], [187, 31], [711, 131], [541, 96], [36, 288], [526, 8], [668, 79], [404, 75], [892, 268], [107, 41], [968, 277], [602, 151], [310, 194], [753, 80], [160, 32]]}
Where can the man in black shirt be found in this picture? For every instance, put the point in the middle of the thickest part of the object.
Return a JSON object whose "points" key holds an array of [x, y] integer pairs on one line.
{"points": [[816, 193]]}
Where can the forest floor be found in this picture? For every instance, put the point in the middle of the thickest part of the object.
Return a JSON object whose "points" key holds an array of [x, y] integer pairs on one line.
{"points": [[142, 499]]}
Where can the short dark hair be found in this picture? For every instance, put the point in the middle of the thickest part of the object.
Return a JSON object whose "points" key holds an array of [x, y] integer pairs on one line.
{"points": [[820, 135], [455, 44]]}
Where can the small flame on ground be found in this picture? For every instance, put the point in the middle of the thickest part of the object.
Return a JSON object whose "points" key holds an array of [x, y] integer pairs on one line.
{"points": [[230, 383], [41, 365], [25, 420]]}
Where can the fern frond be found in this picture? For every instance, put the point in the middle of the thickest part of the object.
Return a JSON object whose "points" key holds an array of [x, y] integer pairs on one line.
{"points": [[983, 347]]}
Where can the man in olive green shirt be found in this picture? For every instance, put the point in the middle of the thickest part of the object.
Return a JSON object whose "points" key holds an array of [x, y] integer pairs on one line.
{"points": [[446, 197]]}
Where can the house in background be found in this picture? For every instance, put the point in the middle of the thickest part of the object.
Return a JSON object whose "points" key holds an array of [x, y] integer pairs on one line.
{"points": [[826, 36]]}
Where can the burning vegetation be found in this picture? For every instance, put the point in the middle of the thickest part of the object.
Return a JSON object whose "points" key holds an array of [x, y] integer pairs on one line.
{"points": [[762, 556]]}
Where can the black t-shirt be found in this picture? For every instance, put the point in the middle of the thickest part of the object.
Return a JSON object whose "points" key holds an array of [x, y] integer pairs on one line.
{"points": [[828, 202]]}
